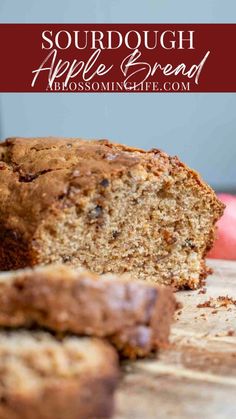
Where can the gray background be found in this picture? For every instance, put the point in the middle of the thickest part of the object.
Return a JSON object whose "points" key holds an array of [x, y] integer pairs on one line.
{"points": [[199, 128]]}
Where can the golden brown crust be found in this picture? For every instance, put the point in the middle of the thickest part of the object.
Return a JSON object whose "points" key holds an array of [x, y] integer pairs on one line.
{"points": [[41, 377], [63, 400], [133, 315]]}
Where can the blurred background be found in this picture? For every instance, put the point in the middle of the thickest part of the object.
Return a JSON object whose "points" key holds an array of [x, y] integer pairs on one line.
{"points": [[199, 128]]}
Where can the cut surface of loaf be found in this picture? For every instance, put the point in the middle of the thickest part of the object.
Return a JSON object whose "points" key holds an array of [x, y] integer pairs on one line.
{"points": [[105, 207], [133, 315], [42, 377]]}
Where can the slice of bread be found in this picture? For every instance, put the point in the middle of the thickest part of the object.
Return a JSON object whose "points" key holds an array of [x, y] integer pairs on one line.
{"points": [[105, 207], [134, 315], [42, 377]]}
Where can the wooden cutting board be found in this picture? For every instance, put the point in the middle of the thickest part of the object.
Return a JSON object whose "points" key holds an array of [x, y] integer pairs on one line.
{"points": [[196, 376]]}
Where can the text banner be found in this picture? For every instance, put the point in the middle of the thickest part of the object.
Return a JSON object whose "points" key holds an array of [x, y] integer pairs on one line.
{"points": [[131, 58]]}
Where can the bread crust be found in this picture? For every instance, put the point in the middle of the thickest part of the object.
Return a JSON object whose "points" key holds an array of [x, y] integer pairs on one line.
{"points": [[62, 400], [133, 315], [59, 395]]}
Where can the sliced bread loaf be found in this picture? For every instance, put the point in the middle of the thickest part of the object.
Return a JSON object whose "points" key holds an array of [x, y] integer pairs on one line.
{"points": [[134, 315], [42, 377], [105, 207]]}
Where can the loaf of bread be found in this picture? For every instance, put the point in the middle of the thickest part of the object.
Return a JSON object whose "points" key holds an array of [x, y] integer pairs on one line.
{"points": [[133, 315], [42, 377], [105, 207]]}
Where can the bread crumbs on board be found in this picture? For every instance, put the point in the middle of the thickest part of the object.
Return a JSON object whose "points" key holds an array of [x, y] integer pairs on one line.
{"points": [[221, 301]]}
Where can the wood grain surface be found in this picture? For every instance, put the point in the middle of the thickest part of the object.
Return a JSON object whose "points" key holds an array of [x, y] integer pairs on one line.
{"points": [[196, 376]]}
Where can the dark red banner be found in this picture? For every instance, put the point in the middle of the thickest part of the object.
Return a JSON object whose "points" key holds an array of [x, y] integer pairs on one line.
{"points": [[132, 58]]}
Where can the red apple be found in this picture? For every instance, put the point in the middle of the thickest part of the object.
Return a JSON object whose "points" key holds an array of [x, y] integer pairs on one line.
{"points": [[225, 243]]}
